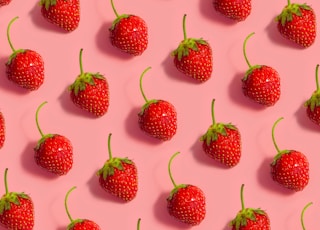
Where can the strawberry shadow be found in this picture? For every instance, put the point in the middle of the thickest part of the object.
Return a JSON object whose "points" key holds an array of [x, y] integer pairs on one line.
{"points": [[62, 228], [29, 164], [265, 179], [304, 121], [104, 44], [161, 212]]}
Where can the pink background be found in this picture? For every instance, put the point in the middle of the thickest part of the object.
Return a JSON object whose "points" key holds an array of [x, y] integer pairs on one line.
{"points": [[89, 136]]}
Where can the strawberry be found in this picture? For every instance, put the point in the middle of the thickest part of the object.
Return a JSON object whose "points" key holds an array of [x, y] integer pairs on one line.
{"points": [[90, 92], [119, 177], [313, 103], [302, 214], [129, 33], [2, 130], [53, 152], [222, 142], [250, 218], [16, 209], [261, 83], [63, 13], [186, 203], [157, 118], [237, 10], [289, 168], [24, 67], [78, 224], [4, 2], [193, 57], [297, 23]]}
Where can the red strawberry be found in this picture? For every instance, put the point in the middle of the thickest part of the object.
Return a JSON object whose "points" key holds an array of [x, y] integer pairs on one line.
{"points": [[222, 142], [2, 130], [16, 209], [62, 13], [261, 83], [289, 168], [237, 10], [119, 177], [250, 218], [4, 2], [90, 92], [313, 103], [186, 203], [79, 224], [129, 33], [157, 118], [53, 152], [302, 214], [297, 22], [25, 67], [193, 57]]}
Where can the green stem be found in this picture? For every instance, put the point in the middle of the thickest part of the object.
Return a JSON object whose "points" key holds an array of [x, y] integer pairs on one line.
{"points": [[37, 122], [244, 49], [114, 9], [302, 215], [184, 27], [289, 2], [5, 180], [317, 79], [273, 138], [80, 61], [241, 197], [8, 33], [141, 88], [212, 112], [109, 146], [66, 204], [138, 225], [169, 169]]}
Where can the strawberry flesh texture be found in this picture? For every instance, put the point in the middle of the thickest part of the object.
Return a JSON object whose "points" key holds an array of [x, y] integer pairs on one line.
{"points": [[2, 130], [20, 215], [262, 85], [314, 114], [64, 13], [259, 222], [83, 224], [26, 69], [158, 119], [237, 10], [291, 170], [130, 35], [55, 154], [187, 204]]}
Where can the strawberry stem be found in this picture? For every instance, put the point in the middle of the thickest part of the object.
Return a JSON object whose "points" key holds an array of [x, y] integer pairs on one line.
{"points": [[80, 61], [184, 27], [273, 138], [289, 2], [109, 146], [5, 181], [241, 197], [141, 89], [212, 112], [114, 9], [302, 215], [37, 122], [169, 169], [244, 49], [138, 224], [317, 79], [66, 204], [8, 33]]}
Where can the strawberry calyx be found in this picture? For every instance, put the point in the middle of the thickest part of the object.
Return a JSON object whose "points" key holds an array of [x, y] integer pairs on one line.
{"points": [[290, 10], [47, 3], [216, 128], [250, 70], [118, 17], [314, 100], [188, 43]]}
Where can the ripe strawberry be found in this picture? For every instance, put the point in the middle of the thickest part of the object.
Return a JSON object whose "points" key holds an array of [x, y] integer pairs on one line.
{"points": [[119, 177], [289, 168], [16, 209], [237, 10], [250, 218], [261, 83], [4, 2], [297, 22], [53, 152], [193, 57], [90, 92], [62, 13], [222, 142], [313, 103], [129, 33], [186, 203], [25, 67], [79, 224], [2, 130], [157, 118]]}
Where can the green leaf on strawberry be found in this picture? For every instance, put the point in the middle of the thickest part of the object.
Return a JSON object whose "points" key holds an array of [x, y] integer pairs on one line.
{"points": [[314, 100], [290, 10]]}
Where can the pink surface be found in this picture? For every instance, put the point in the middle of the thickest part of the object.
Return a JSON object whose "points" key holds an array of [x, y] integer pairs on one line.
{"points": [[89, 136]]}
